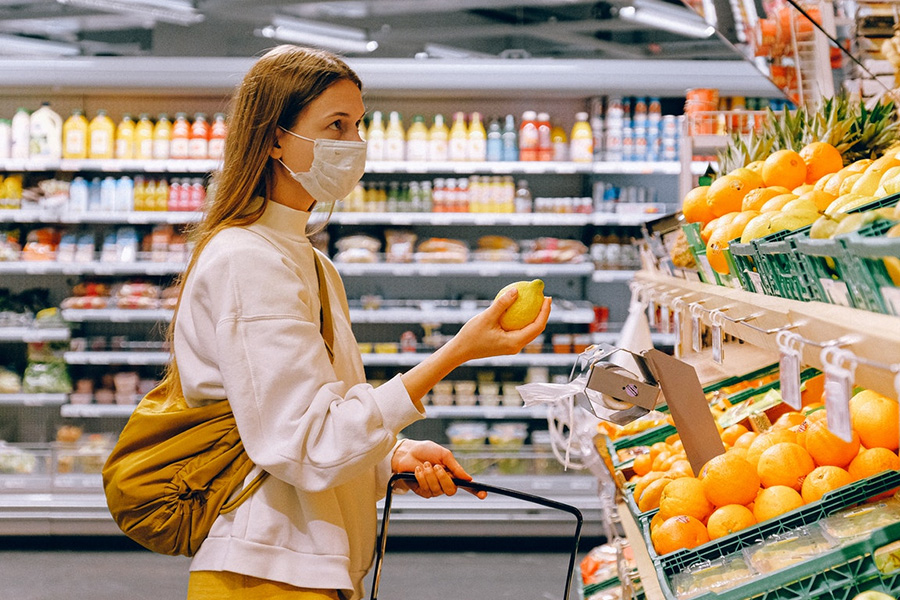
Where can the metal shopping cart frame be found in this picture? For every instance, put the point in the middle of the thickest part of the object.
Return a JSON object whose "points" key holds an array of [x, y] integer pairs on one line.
{"points": [[475, 487]]}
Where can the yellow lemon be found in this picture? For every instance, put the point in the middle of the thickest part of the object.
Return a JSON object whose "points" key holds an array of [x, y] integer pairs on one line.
{"points": [[526, 307]]}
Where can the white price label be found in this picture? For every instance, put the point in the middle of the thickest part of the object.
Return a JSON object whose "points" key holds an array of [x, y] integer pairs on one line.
{"points": [[664, 321], [718, 344], [837, 405], [696, 343], [651, 313], [756, 280], [679, 341], [789, 374], [891, 297], [836, 291], [707, 269]]}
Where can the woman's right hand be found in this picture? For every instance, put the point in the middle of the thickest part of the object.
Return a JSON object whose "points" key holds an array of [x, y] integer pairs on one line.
{"points": [[482, 336]]}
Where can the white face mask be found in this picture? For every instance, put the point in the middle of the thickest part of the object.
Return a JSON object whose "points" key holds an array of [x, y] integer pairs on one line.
{"points": [[337, 167]]}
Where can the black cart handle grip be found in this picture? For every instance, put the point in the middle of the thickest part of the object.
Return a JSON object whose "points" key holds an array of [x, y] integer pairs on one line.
{"points": [[475, 487]]}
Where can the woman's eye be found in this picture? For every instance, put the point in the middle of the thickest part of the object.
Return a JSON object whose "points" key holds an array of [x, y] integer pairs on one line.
{"points": [[337, 125]]}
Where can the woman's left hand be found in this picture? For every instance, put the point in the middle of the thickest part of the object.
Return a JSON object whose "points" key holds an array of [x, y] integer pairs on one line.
{"points": [[433, 465]]}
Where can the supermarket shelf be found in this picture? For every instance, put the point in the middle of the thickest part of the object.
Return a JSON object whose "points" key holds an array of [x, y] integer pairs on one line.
{"points": [[116, 315], [116, 358], [873, 337], [198, 167], [34, 334], [525, 167], [76, 505], [94, 411], [33, 399], [486, 412], [611, 276], [409, 359], [24, 267], [470, 269], [112, 217]]}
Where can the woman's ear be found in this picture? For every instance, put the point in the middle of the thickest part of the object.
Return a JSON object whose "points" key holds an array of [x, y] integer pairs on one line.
{"points": [[276, 151]]}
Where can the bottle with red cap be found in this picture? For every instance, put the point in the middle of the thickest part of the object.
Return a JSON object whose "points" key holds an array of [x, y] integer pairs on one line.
{"points": [[198, 147], [179, 144], [545, 138], [217, 136], [528, 136]]}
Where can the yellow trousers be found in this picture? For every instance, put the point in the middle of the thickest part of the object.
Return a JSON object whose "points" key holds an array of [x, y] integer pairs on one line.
{"points": [[223, 585]]}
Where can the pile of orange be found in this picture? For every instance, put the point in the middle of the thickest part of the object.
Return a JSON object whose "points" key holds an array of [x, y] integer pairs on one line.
{"points": [[762, 475]]}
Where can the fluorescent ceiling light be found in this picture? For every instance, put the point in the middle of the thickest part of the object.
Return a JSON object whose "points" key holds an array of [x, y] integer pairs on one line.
{"points": [[167, 11], [322, 35], [674, 20], [16, 45], [441, 51]]}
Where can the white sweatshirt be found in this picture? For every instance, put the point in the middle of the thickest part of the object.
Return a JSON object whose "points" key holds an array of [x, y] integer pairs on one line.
{"points": [[248, 330]]}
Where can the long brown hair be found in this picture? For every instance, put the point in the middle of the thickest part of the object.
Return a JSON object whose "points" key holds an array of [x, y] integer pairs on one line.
{"points": [[272, 94]]}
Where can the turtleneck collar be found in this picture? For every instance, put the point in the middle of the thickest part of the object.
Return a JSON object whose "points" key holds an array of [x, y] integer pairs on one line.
{"points": [[284, 220]]}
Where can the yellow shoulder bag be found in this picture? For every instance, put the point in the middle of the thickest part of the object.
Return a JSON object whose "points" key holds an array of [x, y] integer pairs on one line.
{"points": [[176, 468]]}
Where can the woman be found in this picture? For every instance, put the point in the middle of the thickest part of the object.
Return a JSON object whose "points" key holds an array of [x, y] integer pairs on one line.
{"points": [[250, 328]]}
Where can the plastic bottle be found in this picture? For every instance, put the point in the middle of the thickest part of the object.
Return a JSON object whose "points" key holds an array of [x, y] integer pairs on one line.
{"points": [[21, 134], [75, 136], [545, 139], [101, 136], [124, 194], [45, 133], [477, 150], [172, 202], [125, 138], [162, 137], [161, 195], [179, 145], [198, 144], [108, 194], [143, 138], [459, 138], [139, 194], [5, 138], [375, 137], [510, 139], [560, 143], [523, 197], [528, 137], [438, 140], [494, 146], [217, 133], [394, 138], [150, 195], [78, 196], [581, 148], [94, 195], [417, 140]]}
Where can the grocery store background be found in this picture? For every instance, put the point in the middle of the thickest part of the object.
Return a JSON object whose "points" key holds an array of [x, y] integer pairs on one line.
{"points": [[568, 126]]}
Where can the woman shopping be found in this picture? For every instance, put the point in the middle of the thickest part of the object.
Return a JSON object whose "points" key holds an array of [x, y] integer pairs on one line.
{"points": [[256, 298]]}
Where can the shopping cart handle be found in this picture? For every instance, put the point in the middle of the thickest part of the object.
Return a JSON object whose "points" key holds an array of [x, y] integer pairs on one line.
{"points": [[475, 487]]}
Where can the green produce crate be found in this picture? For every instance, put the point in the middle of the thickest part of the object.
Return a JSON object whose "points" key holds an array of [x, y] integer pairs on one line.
{"points": [[849, 495], [698, 250], [825, 263], [780, 266], [742, 262], [870, 282]]}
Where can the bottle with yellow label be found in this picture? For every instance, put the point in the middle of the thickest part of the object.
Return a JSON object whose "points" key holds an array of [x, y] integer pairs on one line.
{"points": [[394, 138], [125, 138], [459, 138], [375, 138], [438, 136], [417, 140], [75, 136], [143, 138], [581, 147], [477, 149], [162, 137], [101, 136]]}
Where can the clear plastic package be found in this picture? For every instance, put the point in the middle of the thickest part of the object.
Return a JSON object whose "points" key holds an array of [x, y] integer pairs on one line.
{"points": [[712, 576], [789, 548], [853, 524]]}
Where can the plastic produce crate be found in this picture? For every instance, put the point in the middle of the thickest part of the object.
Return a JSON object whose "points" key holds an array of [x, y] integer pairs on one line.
{"points": [[698, 249], [838, 574], [742, 262], [870, 281], [849, 495], [780, 267]]}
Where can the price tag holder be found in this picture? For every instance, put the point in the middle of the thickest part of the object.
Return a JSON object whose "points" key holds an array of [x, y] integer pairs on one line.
{"points": [[789, 348], [696, 339], [652, 313], [718, 337], [891, 297], [836, 291], [665, 320], [678, 323], [840, 368]]}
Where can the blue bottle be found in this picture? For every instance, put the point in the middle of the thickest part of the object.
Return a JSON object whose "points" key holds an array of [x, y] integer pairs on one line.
{"points": [[494, 150], [510, 139]]}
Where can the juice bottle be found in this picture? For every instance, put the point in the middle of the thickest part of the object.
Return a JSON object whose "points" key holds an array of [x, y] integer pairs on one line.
{"points": [[46, 133], [560, 143], [545, 141], [125, 138], [75, 136], [438, 138], [143, 138], [198, 144], [459, 138], [375, 138], [510, 139], [217, 137], [179, 145], [528, 136], [417, 140], [394, 138], [161, 196], [162, 137], [477, 139], [139, 193], [494, 146], [101, 136], [5, 138], [581, 148], [21, 134]]}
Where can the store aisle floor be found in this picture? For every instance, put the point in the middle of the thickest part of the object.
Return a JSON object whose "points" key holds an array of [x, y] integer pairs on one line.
{"points": [[129, 574]]}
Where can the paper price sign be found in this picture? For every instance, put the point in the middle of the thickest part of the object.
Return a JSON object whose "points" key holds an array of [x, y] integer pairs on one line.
{"points": [[789, 368], [838, 385]]}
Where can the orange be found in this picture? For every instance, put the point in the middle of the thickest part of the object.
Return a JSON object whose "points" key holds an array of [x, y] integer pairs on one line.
{"points": [[756, 165], [707, 230], [726, 194], [745, 440], [872, 462], [827, 448], [774, 501], [658, 447], [660, 460], [731, 434], [642, 463], [729, 479], [727, 519], [776, 203], [819, 198], [655, 522], [767, 440], [681, 468], [695, 208], [735, 451], [823, 480], [685, 496], [788, 420], [875, 418], [679, 532], [785, 463], [643, 482], [753, 179], [756, 198], [821, 159], [785, 168], [650, 498], [722, 236]]}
